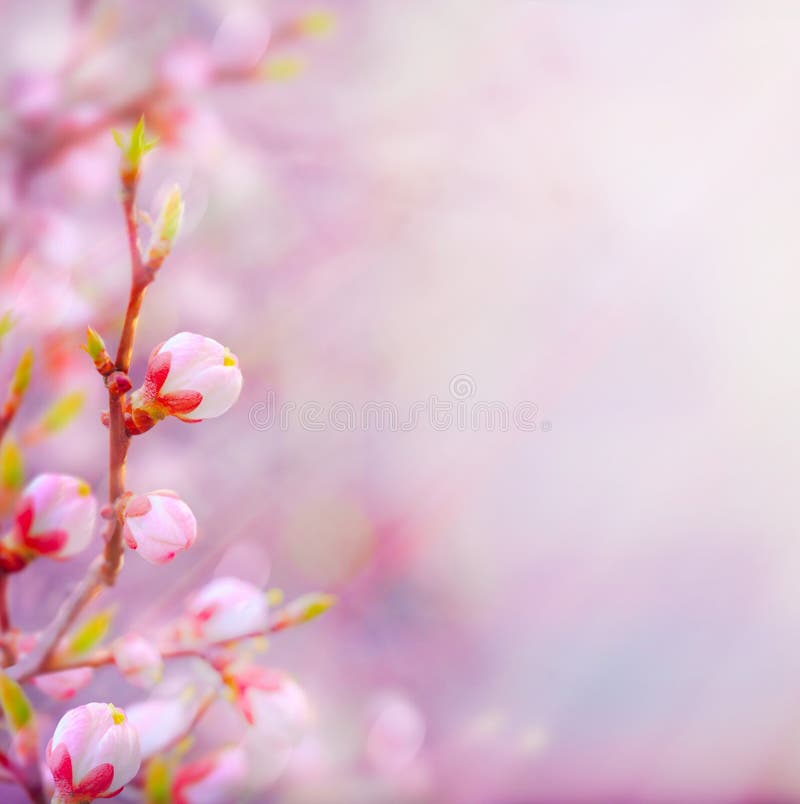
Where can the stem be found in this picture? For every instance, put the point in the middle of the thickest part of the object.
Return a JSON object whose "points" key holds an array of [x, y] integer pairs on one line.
{"points": [[104, 569], [118, 438], [5, 620], [103, 657]]}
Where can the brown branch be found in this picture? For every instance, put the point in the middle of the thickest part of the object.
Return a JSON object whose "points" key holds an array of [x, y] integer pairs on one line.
{"points": [[86, 590], [118, 438], [104, 569], [104, 656], [5, 620]]}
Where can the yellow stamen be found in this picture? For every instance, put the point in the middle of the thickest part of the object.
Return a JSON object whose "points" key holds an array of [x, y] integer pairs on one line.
{"points": [[117, 714]]}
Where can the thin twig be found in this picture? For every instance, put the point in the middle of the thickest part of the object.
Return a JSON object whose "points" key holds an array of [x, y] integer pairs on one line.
{"points": [[104, 656], [32, 788], [5, 620]]}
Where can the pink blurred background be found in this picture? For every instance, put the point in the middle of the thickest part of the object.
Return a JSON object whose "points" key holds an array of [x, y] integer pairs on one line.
{"points": [[587, 206]]}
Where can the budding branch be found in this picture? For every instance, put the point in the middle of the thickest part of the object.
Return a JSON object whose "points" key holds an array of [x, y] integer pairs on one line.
{"points": [[104, 569]]}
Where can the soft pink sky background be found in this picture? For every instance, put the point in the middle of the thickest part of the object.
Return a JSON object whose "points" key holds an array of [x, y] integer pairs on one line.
{"points": [[589, 206]]}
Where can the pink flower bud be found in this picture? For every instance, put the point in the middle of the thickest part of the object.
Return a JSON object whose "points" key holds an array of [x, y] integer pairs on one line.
{"points": [[185, 66], [63, 686], [190, 377], [221, 776], [55, 518], [94, 753], [158, 525], [118, 383], [228, 608], [272, 702], [162, 722], [138, 660]]}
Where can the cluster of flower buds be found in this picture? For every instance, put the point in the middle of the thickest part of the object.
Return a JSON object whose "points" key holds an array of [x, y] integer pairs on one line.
{"points": [[93, 754], [55, 517], [188, 376], [97, 749]]}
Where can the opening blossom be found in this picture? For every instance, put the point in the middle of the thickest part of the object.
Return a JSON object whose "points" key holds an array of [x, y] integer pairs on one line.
{"points": [[188, 376], [271, 700], [227, 608], [158, 525], [55, 518], [94, 753]]}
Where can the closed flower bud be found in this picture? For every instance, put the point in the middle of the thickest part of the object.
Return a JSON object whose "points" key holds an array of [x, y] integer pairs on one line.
{"points": [[190, 377], [96, 349], [158, 525], [166, 228], [94, 753], [118, 382], [226, 609], [54, 518], [138, 659], [162, 722], [221, 776], [63, 685], [133, 148]]}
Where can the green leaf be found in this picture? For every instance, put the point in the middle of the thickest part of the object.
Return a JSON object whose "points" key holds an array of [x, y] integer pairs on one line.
{"points": [[62, 412], [6, 323], [317, 23], [157, 781], [309, 606], [22, 374], [91, 633], [301, 610], [137, 146], [12, 465], [16, 706], [282, 68], [95, 345]]}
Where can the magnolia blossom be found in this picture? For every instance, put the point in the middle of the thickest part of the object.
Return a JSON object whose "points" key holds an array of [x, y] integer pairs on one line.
{"points": [[55, 518], [94, 753], [158, 525], [226, 609], [63, 685], [138, 659], [221, 776], [188, 376]]}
